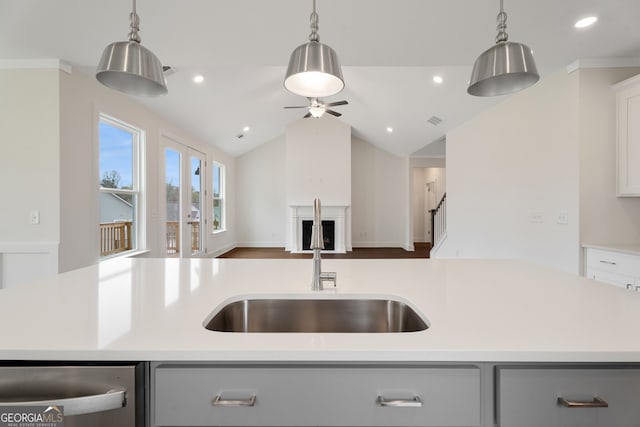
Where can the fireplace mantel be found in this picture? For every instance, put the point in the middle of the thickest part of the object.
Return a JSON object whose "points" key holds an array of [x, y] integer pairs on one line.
{"points": [[299, 213]]}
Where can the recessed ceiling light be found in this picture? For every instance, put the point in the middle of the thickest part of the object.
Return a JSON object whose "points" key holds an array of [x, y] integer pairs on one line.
{"points": [[246, 129], [390, 129], [438, 79], [198, 78], [586, 22]]}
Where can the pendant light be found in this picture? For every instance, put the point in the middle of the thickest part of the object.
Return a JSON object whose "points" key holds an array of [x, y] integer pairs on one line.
{"points": [[504, 68], [314, 70], [129, 67]]}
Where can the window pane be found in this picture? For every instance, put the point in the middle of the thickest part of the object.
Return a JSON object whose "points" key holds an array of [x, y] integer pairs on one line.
{"points": [[216, 180], [119, 210], [196, 191], [172, 182], [116, 157], [217, 214], [195, 188]]}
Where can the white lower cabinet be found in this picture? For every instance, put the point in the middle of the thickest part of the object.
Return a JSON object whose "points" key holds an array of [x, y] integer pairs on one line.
{"points": [[541, 396], [308, 395], [615, 268]]}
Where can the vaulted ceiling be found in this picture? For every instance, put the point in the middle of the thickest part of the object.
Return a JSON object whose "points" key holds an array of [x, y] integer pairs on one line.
{"points": [[390, 50]]}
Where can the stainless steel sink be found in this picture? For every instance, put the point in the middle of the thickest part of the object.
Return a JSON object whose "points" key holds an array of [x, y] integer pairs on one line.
{"points": [[352, 315]]}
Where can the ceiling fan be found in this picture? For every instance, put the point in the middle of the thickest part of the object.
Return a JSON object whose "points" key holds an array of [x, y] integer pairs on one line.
{"points": [[317, 107]]}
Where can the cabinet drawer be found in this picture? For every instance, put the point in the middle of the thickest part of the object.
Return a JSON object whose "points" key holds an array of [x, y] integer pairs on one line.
{"points": [[327, 396], [528, 397], [613, 262], [627, 282]]}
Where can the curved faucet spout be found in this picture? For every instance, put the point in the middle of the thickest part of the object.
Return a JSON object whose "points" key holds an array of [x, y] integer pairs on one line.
{"points": [[317, 239]]}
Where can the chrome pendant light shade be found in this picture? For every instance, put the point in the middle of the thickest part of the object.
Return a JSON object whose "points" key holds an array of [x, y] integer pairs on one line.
{"points": [[129, 67], [314, 69], [504, 68]]}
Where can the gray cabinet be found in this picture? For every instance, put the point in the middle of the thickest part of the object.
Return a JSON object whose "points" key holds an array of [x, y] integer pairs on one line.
{"points": [[327, 395], [395, 394], [548, 396]]}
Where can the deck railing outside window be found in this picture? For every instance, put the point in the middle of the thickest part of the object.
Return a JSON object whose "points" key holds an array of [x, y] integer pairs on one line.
{"points": [[115, 237]]}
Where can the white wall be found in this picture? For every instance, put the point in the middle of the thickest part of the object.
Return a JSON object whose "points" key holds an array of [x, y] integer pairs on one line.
{"points": [[380, 187], [261, 202], [604, 218], [29, 167], [518, 158], [379, 191], [318, 161], [82, 99]]}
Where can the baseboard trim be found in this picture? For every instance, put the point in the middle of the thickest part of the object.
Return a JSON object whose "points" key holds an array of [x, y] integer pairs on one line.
{"points": [[378, 245], [260, 245], [221, 251], [434, 251]]}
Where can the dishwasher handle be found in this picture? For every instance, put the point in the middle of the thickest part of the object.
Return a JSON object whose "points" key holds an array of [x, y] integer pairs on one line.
{"points": [[81, 405]]}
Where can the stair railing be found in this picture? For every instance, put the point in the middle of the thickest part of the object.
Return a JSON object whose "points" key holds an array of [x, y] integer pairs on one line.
{"points": [[439, 221]]}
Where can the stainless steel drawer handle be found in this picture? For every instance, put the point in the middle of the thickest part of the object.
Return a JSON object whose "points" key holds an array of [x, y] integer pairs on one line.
{"points": [[414, 402], [112, 399], [219, 401], [597, 402], [607, 262]]}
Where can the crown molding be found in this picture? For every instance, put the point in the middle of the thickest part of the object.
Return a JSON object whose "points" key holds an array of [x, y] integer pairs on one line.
{"points": [[35, 64], [603, 63]]}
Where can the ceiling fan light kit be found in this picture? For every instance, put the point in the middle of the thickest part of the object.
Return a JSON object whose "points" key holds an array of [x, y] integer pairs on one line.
{"points": [[318, 107], [504, 68], [314, 69], [317, 112], [129, 67]]}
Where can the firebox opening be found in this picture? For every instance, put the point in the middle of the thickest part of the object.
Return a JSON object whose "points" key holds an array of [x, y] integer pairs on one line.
{"points": [[328, 233]]}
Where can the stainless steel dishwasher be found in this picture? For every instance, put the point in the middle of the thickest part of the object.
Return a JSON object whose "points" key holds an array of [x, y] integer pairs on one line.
{"points": [[91, 394]]}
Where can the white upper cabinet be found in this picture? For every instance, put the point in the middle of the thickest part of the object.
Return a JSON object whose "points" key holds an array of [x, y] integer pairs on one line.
{"points": [[628, 137]]}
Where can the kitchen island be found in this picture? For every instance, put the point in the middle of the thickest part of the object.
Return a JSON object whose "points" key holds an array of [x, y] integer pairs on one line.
{"points": [[477, 310], [494, 325]]}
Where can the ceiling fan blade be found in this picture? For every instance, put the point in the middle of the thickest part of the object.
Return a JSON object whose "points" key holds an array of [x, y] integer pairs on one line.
{"points": [[335, 104], [299, 106], [307, 115], [333, 113]]}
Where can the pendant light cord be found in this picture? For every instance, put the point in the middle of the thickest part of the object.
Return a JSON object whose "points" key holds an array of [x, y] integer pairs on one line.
{"points": [[134, 25], [314, 37], [502, 36]]}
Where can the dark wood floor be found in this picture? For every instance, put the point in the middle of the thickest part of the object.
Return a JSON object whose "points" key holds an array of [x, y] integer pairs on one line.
{"points": [[421, 251]]}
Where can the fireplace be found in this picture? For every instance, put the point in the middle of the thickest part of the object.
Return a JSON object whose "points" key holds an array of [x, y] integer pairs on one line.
{"points": [[334, 227], [328, 234]]}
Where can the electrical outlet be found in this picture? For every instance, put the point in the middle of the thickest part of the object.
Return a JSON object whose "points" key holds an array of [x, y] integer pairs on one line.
{"points": [[563, 217], [34, 217], [536, 216]]}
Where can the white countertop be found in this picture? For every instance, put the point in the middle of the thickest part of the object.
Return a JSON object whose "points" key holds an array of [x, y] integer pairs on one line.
{"points": [[479, 310], [625, 249]]}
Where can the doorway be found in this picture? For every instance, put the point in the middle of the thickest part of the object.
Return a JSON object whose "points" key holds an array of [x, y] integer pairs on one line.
{"points": [[430, 202], [428, 185], [184, 209]]}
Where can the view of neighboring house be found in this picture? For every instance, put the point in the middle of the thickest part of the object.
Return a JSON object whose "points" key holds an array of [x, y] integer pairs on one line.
{"points": [[114, 208]]}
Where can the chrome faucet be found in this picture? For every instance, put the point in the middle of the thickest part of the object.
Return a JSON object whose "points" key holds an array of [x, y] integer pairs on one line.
{"points": [[317, 245]]}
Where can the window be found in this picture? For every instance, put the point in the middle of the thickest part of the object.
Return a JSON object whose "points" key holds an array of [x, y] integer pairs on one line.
{"points": [[121, 201], [218, 197]]}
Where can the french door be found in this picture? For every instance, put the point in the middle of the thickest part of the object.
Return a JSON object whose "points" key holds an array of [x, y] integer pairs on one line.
{"points": [[183, 196]]}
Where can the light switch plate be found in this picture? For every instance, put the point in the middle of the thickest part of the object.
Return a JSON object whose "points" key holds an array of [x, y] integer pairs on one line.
{"points": [[563, 217], [34, 217], [536, 216]]}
